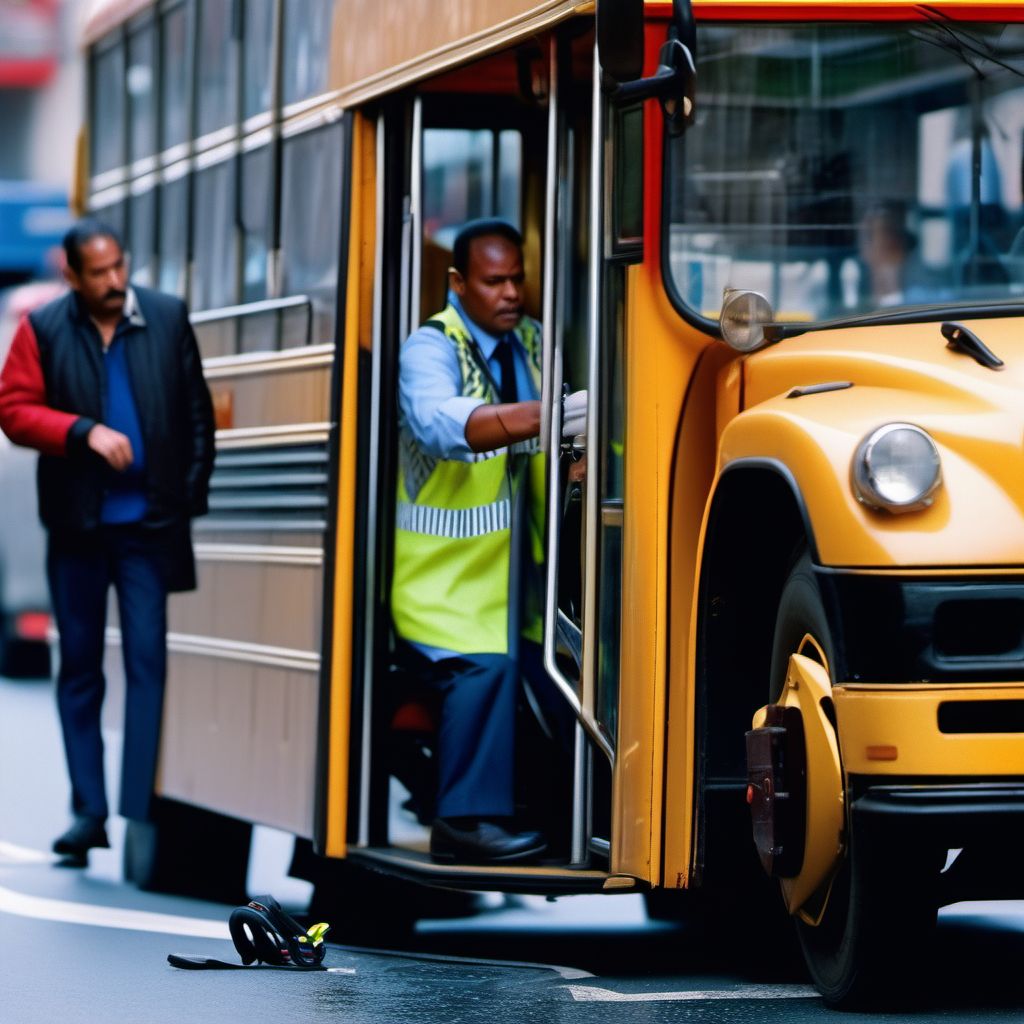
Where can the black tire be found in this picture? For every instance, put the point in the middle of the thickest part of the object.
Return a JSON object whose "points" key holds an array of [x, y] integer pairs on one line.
{"points": [[189, 851], [671, 905], [870, 940]]}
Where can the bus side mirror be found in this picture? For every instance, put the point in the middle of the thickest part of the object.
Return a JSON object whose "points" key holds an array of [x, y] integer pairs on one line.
{"points": [[620, 48], [620, 40]]}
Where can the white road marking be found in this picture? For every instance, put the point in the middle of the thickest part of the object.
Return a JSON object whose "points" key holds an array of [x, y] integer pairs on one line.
{"points": [[592, 994], [43, 908], [11, 853]]}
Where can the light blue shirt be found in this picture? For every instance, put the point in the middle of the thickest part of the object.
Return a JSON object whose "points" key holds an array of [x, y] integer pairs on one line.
{"points": [[431, 404]]}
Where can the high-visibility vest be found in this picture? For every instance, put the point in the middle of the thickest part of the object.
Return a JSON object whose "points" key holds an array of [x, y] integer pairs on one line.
{"points": [[453, 523]]}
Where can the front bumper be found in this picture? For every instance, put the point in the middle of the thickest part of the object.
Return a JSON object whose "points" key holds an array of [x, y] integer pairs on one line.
{"points": [[950, 815], [956, 838], [927, 731]]}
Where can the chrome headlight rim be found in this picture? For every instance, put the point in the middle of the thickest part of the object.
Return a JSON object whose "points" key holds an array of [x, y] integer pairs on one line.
{"points": [[863, 478]]}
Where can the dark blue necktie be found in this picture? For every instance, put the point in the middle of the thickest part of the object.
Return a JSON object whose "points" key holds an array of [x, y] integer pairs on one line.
{"points": [[503, 353]]}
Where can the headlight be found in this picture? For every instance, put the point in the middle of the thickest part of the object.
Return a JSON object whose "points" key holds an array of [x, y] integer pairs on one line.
{"points": [[896, 468]]}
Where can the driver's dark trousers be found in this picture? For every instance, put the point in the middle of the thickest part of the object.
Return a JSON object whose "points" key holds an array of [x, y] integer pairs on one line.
{"points": [[477, 733]]}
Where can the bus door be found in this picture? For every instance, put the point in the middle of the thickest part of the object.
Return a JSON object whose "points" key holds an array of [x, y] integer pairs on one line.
{"points": [[514, 137], [592, 234]]}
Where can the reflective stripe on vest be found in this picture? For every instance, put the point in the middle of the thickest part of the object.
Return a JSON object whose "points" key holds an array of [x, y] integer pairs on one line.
{"points": [[453, 523]]}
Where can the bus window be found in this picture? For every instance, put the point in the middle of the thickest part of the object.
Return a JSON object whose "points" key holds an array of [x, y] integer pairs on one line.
{"points": [[213, 233], [467, 173], [111, 210], [307, 48], [107, 117], [175, 64], [142, 92], [310, 221], [458, 180], [257, 219], [257, 54], [141, 240], [509, 172], [173, 232], [217, 67]]}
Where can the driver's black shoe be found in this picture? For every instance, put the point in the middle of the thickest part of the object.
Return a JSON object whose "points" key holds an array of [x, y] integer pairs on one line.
{"points": [[482, 842], [85, 834]]}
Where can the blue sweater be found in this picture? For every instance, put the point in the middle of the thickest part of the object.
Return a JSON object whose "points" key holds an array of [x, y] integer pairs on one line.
{"points": [[124, 499]]}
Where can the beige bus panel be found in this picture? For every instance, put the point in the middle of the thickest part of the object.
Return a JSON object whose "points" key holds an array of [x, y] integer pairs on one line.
{"points": [[259, 603], [243, 659], [244, 648], [255, 755], [255, 398], [373, 51]]}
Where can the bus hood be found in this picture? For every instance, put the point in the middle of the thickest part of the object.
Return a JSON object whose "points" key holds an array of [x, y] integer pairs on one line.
{"points": [[912, 361], [903, 373]]}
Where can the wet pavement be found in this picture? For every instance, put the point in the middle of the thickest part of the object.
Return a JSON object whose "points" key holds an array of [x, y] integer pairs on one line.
{"points": [[80, 946]]}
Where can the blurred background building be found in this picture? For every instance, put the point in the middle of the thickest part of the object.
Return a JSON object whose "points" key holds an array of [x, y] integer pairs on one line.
{"points": [[41, 82]]}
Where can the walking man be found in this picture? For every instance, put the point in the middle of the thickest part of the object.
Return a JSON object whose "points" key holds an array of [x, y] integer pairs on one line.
{"points": [[106, 383]]}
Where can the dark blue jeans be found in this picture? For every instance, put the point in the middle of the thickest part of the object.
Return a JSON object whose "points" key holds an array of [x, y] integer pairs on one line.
{"points": [[80, 574]]}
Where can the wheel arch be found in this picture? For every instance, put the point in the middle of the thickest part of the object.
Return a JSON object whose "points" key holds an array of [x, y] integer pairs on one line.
{"points": [[756, 520]]}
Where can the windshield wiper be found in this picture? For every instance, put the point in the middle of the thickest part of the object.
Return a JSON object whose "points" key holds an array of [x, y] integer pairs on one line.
{"points": [[906, 315], [959, 41], [960, 339]]}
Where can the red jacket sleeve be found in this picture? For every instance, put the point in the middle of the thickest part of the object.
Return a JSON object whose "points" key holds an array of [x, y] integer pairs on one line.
{"points": [[24, 415]]}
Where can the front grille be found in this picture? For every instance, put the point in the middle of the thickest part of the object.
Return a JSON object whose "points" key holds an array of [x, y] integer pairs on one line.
{"points": [[980, 628], [980, 716], [888, 629]]}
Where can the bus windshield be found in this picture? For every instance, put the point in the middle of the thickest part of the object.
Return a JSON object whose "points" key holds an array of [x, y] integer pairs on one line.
{"points": [[842, 168]]}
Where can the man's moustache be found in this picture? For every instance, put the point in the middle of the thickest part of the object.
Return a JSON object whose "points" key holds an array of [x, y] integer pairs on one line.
{"points": [[115, 293]]}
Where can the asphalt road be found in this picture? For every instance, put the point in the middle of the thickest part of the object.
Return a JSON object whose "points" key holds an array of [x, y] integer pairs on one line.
{"points": [[80, 946]]}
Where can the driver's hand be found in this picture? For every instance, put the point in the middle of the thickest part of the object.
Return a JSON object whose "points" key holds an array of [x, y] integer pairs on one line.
{"points": [[574, 415]]}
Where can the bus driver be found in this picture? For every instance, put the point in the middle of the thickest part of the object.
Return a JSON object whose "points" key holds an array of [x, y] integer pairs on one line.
{"points": [[468, 539]]}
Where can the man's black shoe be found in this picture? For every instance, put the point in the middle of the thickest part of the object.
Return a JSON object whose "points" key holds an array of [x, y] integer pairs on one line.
{"points": [[84, 834], [482, 842], [72, 860]]}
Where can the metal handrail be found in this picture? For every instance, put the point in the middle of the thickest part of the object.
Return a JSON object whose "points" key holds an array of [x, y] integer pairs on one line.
{"points": [[250, 309], [592, 509], [263, 306], [552, 419], [551, 408]]}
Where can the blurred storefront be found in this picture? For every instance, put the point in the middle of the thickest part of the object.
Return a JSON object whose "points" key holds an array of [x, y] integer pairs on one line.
{"points": [[40, 95]]}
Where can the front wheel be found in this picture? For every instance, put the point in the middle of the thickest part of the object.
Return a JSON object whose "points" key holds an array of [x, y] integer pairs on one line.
{"points": [[862, 933]]}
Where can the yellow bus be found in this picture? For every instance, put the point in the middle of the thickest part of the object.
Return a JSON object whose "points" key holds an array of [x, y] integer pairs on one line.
{"points": [[780, 244]]}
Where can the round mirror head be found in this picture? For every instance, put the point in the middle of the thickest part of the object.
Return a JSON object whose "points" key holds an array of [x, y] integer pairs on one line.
{"points": [[743, 319]]}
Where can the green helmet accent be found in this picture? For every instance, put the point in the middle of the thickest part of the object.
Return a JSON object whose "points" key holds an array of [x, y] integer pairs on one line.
{"points": [[453, 523]]}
